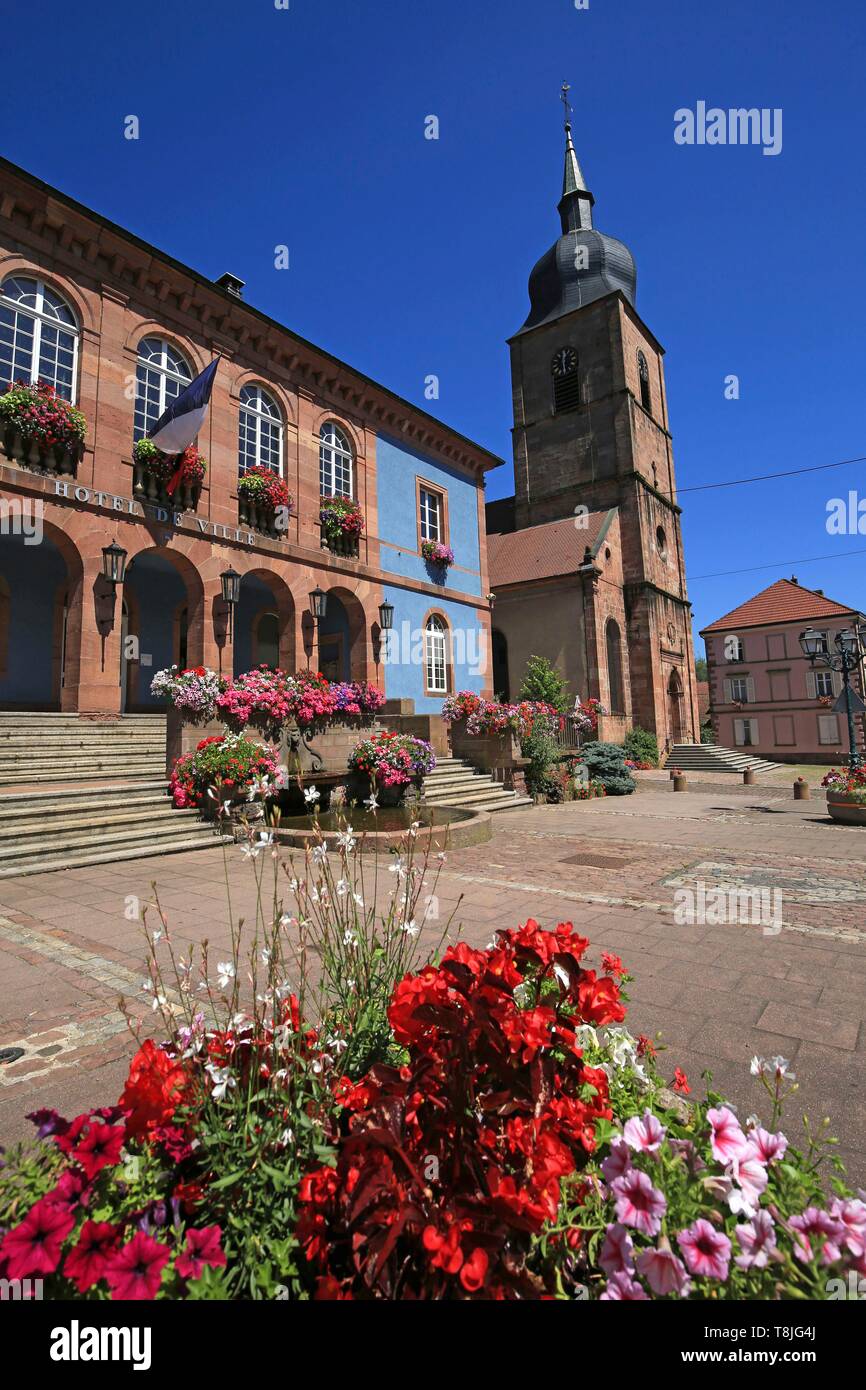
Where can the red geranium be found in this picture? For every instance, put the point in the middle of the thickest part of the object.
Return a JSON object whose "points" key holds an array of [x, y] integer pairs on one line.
{"points": [[154, 1088]]}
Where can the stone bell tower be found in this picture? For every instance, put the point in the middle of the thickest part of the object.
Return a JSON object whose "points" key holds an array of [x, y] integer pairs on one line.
{"points": [[591, 432]]}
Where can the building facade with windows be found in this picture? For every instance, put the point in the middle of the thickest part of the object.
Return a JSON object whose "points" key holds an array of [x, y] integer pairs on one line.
{"points": [[764, 693], [586, 559], [119, 329]]}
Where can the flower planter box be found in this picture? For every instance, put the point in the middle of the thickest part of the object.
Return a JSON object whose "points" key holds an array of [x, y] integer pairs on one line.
{"points": [[490, 752], [258, 518], [326, 747], [146, 487], [33, 454], [345, 545], [845, 809]]}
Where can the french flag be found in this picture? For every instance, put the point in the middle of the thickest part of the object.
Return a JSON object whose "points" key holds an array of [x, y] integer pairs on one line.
{"points": [[178, 426]]}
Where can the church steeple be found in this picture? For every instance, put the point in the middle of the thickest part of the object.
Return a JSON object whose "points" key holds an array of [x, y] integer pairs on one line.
{"points": [[575, 206]]}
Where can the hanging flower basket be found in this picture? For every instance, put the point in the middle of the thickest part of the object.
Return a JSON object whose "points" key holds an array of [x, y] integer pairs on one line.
{"points": [[264, 501], [40, 429], [342, 523], [154, 472], [440, 556]]}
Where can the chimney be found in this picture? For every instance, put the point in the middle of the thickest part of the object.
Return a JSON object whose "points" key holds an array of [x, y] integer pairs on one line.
{"points": [[231, 284]]}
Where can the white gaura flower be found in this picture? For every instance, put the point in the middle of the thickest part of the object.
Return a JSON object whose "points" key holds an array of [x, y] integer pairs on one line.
{"points": [[159, 1001], [782, 1068], [222, 1078], [346, 839], [758, 1066], [266, 957], [286, 1138], [225, 973], [358, 900], [255, 847], [411, 928], [294, 884], [413, 829], [398, 867], [156, 938], [342, 888], [311, 795], [320, 854], [371, 803], [350, 939], [336, 1045]]}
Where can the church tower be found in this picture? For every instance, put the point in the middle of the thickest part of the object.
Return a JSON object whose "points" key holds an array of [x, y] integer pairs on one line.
{"points": [[591, 433]]}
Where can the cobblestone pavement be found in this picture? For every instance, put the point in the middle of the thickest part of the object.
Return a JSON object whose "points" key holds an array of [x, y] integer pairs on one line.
{"points": [[785, 973]]}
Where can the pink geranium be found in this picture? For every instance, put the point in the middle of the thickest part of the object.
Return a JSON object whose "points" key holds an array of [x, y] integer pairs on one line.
{"points": [[644, 1133], [706, 1251], [617, 1252], [756, 1239], [638, 1203], [664, 1271], [727, 1139], [622, 1288]]}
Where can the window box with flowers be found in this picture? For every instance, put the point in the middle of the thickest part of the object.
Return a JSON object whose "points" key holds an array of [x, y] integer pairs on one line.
{"points": [[438, 556], [40, 429], [166, 479], [342, 523], [264, 501]]}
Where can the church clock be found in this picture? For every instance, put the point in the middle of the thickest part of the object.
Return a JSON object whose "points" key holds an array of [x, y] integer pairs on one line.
{"points": [[565, 362]]}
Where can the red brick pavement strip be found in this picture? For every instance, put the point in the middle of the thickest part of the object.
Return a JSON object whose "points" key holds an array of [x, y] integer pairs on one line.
{"points": [[716, 993]]}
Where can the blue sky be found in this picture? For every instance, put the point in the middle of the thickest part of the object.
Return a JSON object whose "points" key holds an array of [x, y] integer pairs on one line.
{"points": [[305, 127]]}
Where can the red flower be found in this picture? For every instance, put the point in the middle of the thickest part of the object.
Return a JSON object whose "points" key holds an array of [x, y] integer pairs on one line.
{"points": [[598, 1000], [134, 1272], [202, 1248], [87, 1262], [100, 1148], [443, 1248], [34, 1246], [71, 1191], [154, 1088], [681, 1081], [474, 1271], [611, 964]]}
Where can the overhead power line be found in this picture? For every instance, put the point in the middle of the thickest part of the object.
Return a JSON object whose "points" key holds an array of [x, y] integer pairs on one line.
{"points": [[767, 477], [778, 565]]}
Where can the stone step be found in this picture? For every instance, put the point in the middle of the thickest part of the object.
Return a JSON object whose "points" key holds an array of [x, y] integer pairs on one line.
{"points": [[27, 829], [712, 757], [458, 779], [57, 723], [81, 859], [506, 801], [492, 793], [77, 775], [111, 790], [46, 811], [59, 841]]}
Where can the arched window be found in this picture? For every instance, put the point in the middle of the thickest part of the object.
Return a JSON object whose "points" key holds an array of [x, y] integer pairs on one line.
{"points": [[566, 380], [436, 656], [161, 374], [260, 431], [38, 335], [643, 376], [335, 462], [614, 667]]}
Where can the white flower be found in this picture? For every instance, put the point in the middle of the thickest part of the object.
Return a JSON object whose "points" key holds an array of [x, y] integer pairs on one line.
{"points": [[311, 794], [358, 900], [561, 974], [586, 1033], [222, 1078], [758, 1066], [287, 1137], [342, 888], [413, 829], [320, 854], [157, 936], [254, 849], [346, 839], [398, 867], [371, 803], [350, 939], [782, 1068], [225, 973], [337, 1045], [158, 1001], [410, 928], [266, 957]]}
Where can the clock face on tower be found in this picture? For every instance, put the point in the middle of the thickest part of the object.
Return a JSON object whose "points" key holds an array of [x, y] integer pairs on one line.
{"points": [[565, 362]]}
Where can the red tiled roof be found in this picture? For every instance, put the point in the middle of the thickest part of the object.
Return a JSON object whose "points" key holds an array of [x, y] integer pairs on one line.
{"points": [[786, 601], [542, 552]]}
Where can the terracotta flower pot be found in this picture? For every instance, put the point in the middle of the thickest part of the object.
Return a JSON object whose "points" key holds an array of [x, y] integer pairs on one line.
{"points": [[844, 808]]}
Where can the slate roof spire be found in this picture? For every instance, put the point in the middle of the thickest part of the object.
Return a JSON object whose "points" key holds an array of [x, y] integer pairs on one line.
{"points": [[575, 207]]}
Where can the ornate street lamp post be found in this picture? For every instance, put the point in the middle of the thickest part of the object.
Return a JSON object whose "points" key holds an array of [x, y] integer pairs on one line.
{"points": [[231, 584], [114, 564], [849, 657]]}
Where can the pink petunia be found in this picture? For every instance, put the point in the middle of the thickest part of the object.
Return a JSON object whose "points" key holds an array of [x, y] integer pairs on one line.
{"points": [[664, 1272], [644, 1133], [706, 1251], [756, 1239], [816, 1232], [638, 1203], [749, 1172], [852, 1215], [622, 1288], [727, 1139], [617, 1252], [618, 1162], [770, 1146]]}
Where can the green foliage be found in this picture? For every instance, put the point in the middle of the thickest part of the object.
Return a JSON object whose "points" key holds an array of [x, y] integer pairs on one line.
{"points": [[701, 670], [605, 763], [641, 746], [542, 682], [542, 750], [707, 734]]}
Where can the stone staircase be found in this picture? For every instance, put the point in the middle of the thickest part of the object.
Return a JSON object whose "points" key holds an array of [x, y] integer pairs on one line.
{"points": [[75, 792], [711, 757], [457, 783]]}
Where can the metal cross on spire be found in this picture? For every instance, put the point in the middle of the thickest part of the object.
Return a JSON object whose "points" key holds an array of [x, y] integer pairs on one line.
{"points": [[566, 88]]}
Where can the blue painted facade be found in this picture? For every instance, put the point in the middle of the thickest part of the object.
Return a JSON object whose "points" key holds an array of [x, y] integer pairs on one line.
{"points": [[397, 468]]}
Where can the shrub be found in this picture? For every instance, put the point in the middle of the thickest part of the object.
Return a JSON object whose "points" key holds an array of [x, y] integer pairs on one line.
{"points": [[539, 745], [605, 763], [642, 747], [543, 684]]}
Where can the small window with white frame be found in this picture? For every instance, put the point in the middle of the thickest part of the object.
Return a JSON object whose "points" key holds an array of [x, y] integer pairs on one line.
{"points": [[740, 689], [824, 683], [38, 335], [431, 508], [335, 462], [436, 656], [828, 729], [260, 431], [161, 373]]}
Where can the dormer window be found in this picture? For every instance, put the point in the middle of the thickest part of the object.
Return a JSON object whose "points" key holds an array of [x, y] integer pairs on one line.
{"points": [[566, 381]]}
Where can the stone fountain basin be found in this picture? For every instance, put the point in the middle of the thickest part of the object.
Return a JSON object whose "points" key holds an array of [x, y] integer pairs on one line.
{"points": [[377, 832]]}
